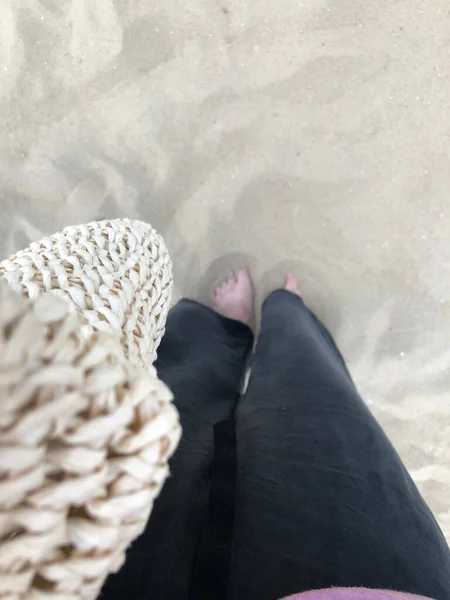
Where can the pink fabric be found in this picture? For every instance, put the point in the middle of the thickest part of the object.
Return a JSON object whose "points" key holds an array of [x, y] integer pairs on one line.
{"points": [[354, 594]]}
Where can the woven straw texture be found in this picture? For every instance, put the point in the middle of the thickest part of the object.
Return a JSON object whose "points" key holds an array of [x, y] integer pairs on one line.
{"points": [[117, 274], [85, 434]]}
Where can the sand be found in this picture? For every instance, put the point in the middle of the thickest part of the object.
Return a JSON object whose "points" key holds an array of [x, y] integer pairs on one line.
{"points": [[308, 135]]}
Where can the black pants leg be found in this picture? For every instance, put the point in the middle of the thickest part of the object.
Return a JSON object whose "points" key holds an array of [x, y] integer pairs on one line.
{"points": [[202, 359], [322, 497]]}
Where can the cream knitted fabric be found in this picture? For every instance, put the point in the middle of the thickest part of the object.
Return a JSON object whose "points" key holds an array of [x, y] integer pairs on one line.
{"points": [[85, 434], [117, 274]]}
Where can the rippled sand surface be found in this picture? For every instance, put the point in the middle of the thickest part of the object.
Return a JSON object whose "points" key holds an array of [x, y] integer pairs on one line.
{"points": [[312, 135]]}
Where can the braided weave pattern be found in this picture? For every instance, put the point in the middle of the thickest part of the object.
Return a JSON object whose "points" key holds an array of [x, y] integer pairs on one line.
{"points": [[84, 441], [86, 427], [117, 274]]}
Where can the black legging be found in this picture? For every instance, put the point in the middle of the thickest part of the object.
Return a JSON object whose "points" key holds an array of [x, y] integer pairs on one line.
{"points": [[293, 486]]}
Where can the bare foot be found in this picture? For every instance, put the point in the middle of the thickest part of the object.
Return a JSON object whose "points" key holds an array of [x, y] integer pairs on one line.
{"points": [[235, 298], [292, 285]]}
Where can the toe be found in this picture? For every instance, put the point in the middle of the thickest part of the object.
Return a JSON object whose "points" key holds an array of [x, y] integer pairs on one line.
{"points": [[244, 277], [291, 284]]}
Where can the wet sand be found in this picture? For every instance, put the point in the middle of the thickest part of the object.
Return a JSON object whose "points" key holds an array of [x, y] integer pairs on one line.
{"points": [[306, 135]]}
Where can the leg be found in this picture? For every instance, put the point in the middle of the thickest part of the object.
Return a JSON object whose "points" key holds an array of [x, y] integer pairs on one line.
{"points": [[202, 359], [322, 499]]}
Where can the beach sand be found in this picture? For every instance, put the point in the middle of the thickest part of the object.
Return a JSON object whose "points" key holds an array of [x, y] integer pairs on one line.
{"points": [[308, 135]]}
